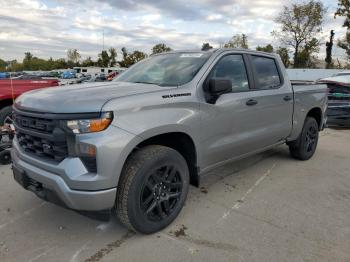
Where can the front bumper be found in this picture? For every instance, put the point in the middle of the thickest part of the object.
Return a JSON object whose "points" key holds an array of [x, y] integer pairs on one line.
{"points": [[52, 188], [69, 183]]}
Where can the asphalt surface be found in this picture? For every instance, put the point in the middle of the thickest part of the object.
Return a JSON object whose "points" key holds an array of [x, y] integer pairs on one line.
{"points": [[265, 208]]}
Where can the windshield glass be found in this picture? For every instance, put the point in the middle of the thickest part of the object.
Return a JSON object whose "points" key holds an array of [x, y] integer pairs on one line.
{"points": [[166, 70]]}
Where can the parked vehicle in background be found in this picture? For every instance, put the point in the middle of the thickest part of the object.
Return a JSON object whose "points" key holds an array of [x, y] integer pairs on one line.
{"points": [[4, 75], [338, 112], [12, 88], [68, 74], [132, 146]]}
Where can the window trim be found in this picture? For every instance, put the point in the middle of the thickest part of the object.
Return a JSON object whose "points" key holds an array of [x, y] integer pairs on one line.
{"points": [[255, 74], [247, 69]]}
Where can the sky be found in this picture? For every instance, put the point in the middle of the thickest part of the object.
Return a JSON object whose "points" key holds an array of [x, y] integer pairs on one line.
{"points": [[48, 28]]}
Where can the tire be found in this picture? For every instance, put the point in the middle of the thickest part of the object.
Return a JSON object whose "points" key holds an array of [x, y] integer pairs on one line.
{"points": [[4, 113], [305, 146], [5, 157], [152, 172]]}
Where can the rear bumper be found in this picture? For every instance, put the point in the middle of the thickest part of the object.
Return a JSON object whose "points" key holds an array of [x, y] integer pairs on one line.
{"points": [[51, 187]]}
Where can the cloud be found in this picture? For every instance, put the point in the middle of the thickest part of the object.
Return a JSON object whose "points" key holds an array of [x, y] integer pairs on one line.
{"points": [[48, 28]]}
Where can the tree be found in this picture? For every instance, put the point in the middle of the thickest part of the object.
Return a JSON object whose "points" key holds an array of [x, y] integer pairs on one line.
{"points": [[14, 66], [73, 56], [112, 56], [103, 59], [27, 61], [3, 65], [329, 46], [28, 56], [160, 48], [88, 62], [131, 58], [206, 46], [284, 54], [299, 24], [268, 48], [305, 57], [238, 41], [344, 11]]}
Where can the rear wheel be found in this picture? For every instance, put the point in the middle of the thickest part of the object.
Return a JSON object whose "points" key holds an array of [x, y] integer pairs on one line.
{"points": [[152, 189], [305, 146]]}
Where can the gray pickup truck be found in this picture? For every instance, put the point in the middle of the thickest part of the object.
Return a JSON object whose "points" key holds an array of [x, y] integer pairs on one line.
{"points": [[131, 147]]}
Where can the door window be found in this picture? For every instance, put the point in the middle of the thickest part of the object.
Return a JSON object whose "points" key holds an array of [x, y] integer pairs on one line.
{"points": [[266, 72], [232, 67]]}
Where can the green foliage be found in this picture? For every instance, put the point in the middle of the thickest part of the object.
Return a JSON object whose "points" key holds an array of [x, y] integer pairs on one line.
{"points": [[344, 11], [103, 59], [87, 62], [32, 63], [268, 48], [206, 46], [3, 65], [238, 41], [160, 48], [284, 54], [305, 57], [131, 58], [299, 24], [15, 66], [112, 56]]}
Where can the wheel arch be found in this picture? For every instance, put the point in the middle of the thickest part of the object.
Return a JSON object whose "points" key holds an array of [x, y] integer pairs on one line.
{"points": [[179, 141], [316, 113]]}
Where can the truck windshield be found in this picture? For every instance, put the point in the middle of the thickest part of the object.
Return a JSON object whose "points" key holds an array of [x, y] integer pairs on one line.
{"points": [[172, 69]]}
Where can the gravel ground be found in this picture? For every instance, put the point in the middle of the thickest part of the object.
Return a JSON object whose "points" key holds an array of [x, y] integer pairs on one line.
{"points": [[265, 208]]}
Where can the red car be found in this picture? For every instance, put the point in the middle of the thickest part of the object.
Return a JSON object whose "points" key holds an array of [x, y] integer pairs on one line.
{"points": [[11, 89]]}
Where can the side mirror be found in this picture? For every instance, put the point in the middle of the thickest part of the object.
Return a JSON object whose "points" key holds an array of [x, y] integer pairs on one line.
{"points": [[219, 86]]}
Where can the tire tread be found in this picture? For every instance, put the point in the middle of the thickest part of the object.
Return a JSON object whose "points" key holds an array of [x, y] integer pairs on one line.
{"points": [[133, 164]]}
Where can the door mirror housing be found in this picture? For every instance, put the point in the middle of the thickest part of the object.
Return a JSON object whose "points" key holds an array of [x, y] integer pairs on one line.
{"points": [[219, 86]]}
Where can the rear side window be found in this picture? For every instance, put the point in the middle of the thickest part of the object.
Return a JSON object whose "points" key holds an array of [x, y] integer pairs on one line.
{"points": [[267, 72]]}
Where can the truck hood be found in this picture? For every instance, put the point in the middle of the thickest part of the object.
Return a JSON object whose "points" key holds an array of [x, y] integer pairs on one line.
{"points": [[82, 98]]}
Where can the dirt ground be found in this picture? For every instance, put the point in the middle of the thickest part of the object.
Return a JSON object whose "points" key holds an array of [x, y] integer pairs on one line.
{"points": [[269, 207]]}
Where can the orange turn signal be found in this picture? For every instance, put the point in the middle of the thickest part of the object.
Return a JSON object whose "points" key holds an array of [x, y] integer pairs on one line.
{"points": [[97, 125]]}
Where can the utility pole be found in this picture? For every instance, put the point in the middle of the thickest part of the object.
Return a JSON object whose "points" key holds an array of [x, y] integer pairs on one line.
{"points": [[103, 40]]}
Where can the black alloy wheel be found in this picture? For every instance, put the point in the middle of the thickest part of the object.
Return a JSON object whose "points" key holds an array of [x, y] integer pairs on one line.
{"points": [[161, 193]]}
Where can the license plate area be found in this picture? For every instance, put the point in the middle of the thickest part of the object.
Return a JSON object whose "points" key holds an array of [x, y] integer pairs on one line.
{"points": [[25, 181], [20, 176]]}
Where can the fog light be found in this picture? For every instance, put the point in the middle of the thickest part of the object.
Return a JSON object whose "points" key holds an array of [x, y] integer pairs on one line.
{"points": [[87, 154], [87, 150]]}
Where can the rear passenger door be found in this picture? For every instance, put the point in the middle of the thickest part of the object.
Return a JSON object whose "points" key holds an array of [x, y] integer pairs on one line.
{"points": [[274, 100]]}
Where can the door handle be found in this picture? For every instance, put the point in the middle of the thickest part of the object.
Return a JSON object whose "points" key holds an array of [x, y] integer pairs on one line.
{"points": [[287, 98], [251, 102]]}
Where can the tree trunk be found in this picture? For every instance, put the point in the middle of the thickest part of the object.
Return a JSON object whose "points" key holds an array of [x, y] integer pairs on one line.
{"points": [[296, 56]]}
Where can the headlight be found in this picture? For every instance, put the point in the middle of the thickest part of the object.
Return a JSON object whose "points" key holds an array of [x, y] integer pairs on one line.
{"points": [[90, 125]]}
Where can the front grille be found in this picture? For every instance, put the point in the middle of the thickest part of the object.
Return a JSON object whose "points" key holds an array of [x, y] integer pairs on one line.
{"points": [[41, 137]]}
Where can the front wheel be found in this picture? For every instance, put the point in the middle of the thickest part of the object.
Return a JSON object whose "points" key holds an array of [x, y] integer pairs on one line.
{"points": [[305, 146], [152, 189]]}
